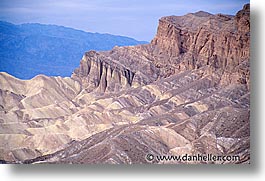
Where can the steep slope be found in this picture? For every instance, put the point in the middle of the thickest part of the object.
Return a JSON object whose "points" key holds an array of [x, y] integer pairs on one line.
{"points": [[193, 41], [186, 43], [27, 50], [183, 93]]}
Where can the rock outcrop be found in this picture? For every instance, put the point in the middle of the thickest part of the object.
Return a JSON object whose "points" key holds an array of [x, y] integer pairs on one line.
{"points": [[200, 39], [187, 92], [182, 43], [98, 72], [115, 70]]}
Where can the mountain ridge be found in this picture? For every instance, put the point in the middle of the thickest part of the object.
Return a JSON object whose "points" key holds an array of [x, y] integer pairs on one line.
{"points": [[49, 49], [183, 93]]}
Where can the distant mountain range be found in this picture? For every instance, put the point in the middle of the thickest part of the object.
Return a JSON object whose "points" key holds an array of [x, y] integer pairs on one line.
{"points": [[27, 50], [185, 94]]}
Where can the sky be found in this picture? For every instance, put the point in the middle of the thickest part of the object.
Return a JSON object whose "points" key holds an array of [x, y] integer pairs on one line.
{"points": [[133, 18]]}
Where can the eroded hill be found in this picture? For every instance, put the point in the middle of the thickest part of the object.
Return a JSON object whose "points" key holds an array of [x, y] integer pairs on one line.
{"points": [[185, 92]]}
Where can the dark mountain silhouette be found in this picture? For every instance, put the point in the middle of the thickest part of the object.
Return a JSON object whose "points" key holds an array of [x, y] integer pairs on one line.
{"points": [[30, 49]]}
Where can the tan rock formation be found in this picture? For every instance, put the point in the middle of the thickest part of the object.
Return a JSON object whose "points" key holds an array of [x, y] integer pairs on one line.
{"points": [[187, 92]]}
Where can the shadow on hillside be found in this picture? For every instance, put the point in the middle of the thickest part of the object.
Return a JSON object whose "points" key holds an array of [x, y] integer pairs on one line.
{"points": [[176, 170]]}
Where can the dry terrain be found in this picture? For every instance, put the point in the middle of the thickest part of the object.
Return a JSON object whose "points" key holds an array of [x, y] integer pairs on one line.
{"points": [[187, 92]]}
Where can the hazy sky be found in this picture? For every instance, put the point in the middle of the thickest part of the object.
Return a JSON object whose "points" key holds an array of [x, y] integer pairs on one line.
{"points": [[134, 18]]}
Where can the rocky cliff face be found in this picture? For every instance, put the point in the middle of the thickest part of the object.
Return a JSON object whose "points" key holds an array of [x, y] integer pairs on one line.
{"points": [[182, 43], [185, 92], [115, 70], [97, 72], [200, 39]]}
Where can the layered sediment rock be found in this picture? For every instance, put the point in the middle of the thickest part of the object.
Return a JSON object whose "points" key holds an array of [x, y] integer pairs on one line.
{"points": [[116, 70], [199, 39], [97, 72], [187, 92]]}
